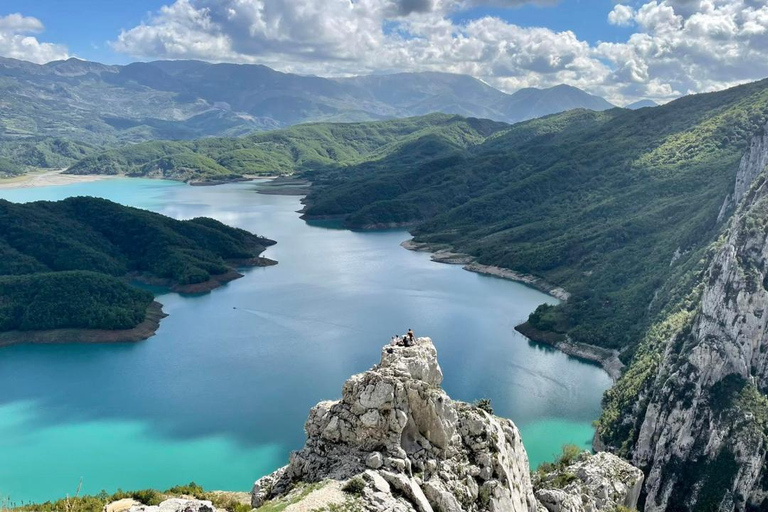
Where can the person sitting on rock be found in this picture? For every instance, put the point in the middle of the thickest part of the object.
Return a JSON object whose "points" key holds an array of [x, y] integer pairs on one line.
{"points": [[395, 340]]}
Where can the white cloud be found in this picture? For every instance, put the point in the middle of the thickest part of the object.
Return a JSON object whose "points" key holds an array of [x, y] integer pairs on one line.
{"points": [[679, 46], [15, 41], [621, 15], [686, 46]]}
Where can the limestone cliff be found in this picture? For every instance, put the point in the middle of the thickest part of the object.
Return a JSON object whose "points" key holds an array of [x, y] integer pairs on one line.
{"points": [[401, 444], [692, 410]]}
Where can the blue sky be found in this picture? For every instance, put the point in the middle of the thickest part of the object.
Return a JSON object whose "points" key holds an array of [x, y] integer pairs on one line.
{"points": [[87, 26]]}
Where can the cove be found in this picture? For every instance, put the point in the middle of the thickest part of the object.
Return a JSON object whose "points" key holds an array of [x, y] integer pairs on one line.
{"points": [[220, 395]]}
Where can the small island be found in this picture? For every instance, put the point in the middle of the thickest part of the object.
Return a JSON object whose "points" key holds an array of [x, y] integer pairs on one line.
{"points": [[69, 268]]}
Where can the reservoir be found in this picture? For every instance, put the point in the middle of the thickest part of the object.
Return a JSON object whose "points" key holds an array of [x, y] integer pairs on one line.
{"points": [[220, 394]]}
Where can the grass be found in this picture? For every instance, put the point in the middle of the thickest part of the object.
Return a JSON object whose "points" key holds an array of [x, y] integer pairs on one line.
{"points": [[296, 494], [77, 503]]}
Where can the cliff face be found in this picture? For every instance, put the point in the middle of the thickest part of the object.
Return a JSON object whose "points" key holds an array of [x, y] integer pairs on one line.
{"points": [[408, 447], [698, 424]]}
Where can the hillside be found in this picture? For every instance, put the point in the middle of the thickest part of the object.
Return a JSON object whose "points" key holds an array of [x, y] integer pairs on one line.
{"points": [[109, 105], [302, 147], [609, 205], [82, 285], [695, 394]]}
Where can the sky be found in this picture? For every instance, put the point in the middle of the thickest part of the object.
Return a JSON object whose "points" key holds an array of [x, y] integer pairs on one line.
{"points": [[621, 50]]}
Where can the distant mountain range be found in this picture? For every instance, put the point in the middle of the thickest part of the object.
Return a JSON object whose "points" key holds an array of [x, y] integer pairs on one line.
{"points": [[97, 103], [642, 104]]}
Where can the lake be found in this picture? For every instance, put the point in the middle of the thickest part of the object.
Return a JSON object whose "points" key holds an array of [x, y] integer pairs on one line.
{"points": [[220, 395]]}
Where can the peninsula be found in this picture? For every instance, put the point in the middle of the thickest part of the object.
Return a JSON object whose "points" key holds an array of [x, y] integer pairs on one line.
{"points": [[68, 267]]}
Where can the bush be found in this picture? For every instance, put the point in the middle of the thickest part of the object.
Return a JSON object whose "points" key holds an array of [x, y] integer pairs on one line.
{"points": [[354, 486], [570, 454], [485, 405]]}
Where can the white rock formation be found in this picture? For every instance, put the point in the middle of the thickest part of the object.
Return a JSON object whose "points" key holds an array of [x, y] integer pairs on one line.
{"points": [[177, 505], [592, 483], [408, 445], [752, 164], [702, 436]]}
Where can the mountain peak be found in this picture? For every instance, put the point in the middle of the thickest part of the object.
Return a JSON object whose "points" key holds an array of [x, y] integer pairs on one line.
{"points": [[403, 444]]}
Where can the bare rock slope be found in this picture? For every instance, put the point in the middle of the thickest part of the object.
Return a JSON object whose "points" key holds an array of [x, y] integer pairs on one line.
{"points": [[401, 444]]}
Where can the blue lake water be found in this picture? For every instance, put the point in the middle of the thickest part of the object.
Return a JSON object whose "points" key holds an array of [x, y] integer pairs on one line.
{"points": [[220, 395]]}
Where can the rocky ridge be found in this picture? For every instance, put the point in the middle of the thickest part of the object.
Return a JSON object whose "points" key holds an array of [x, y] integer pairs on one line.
{"points": [[404, 445], [701, 418]]}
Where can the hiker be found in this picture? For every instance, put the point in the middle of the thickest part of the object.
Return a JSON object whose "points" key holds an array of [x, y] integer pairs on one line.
{"points": [[410, 336], [394, 341]]}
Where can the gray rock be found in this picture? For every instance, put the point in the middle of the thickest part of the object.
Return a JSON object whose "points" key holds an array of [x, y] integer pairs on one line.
{"points": [[374, 460], [395, 419], [724, 346], [176, 505], [595, 482]]}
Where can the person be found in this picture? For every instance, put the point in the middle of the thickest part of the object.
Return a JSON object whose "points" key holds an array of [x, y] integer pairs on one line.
{"points": [[410, 336], [394, 341]]}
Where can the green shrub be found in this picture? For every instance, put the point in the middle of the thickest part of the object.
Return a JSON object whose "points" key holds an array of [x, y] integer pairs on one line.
{"points": [[354, 486], [485, 405]]}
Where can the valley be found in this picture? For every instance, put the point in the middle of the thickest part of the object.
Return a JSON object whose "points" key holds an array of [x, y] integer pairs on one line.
{"points": [[219, 394], [595, 274]]}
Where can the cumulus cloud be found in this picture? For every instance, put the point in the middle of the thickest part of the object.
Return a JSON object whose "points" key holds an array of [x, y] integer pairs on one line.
{"points": [[679, 46], [686, 46], [621, 15], [16, 41]]}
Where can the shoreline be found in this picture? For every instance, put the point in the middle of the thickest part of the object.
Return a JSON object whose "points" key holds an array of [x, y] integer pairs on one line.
{"points": [[59, 177], [146, 329], [216, 280], [444, 254], [49, 178], [607, 359]]}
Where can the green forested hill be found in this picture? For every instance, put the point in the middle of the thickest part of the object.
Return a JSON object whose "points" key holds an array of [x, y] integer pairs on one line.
{"points": [[17, 156], [63, 263], [285, 151], [609, 205]]}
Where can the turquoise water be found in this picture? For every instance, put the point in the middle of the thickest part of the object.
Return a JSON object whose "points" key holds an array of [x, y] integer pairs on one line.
{"points": [[220, 394]]}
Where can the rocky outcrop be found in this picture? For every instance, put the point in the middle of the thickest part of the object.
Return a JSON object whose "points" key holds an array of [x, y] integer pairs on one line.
{"points": [[752, 164], [702, 437], [404, 445], [176, 505], [591, 483]]}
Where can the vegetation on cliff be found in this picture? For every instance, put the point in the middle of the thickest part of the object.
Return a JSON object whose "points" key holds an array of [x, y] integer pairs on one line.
{"points": [[64, 262]]}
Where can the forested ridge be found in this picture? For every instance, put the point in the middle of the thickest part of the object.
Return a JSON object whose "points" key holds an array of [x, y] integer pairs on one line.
{"points": [[64, 263], [617, 207], [300, 148]]}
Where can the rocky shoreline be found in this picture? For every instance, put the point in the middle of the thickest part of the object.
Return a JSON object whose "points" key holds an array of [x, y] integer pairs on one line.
{"points": [[445, 254], [606, 358], [144, 330]]}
